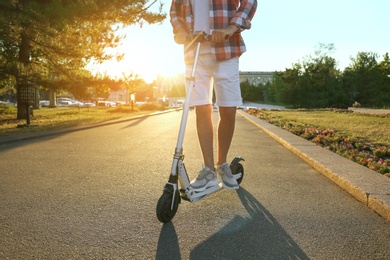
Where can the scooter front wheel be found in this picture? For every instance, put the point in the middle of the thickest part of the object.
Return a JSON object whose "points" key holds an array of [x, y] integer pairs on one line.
{"points": [[165, 211]]}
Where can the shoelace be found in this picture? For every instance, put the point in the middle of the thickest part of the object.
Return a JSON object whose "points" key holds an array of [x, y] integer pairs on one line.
{"points": [[203, 173], [226, 171]]}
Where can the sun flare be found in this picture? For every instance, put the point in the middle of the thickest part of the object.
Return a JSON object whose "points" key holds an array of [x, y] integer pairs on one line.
{"points": [[148, 50], [146, 66]]}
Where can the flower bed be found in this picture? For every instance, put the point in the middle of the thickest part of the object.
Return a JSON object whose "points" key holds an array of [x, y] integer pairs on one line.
{"points": [[374, 156]]}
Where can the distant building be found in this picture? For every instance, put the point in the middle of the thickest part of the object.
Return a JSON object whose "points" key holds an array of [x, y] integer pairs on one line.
{"points": [[256, 78], [164, 84], [120, 95]]}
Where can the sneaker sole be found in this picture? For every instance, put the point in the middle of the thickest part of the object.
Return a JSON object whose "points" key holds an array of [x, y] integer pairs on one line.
{"points": [[230, 187], [208, 185]]}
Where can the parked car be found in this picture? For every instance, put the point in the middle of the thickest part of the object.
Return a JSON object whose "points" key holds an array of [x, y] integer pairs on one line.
{"points": [[178, 103], [106, 103], [68, 102], [89, 104], [64, 103], [44, 103], [64, 99], [76, 103], [7, 103]]}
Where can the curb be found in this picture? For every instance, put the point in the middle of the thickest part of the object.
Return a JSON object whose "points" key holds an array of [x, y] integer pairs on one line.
{"points": [[367, 186]]}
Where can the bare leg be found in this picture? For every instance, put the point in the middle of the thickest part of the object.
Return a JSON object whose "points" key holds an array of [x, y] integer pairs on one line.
{"points": [[227, 120], [204, 125]]}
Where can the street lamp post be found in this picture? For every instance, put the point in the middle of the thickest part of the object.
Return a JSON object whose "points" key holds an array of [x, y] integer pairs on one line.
{"points": [[132, 98]]}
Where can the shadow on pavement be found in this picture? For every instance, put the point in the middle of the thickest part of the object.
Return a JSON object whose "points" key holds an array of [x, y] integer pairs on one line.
{"points": [[258, 236], [29, 138], [23, 141], [168, 244], [135, 122]]}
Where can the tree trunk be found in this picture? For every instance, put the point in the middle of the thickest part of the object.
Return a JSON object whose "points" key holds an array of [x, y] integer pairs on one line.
{"points": [[26, 96], [52, 98], [22, 104], [22, 88], [37, 97]]}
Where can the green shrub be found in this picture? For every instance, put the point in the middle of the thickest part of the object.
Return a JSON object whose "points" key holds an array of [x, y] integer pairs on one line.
{"points": [[356, 104], [152, 106], [7, 110], [124, 109]]}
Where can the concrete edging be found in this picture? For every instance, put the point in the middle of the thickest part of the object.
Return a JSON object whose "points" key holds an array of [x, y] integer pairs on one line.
{"points": [[367, 186]]}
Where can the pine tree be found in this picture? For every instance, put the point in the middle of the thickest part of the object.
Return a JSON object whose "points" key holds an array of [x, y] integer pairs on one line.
{"points": [[43, 42]]}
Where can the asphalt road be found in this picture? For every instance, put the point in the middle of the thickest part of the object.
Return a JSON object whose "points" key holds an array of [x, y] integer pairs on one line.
{"points": [[92, 194]]}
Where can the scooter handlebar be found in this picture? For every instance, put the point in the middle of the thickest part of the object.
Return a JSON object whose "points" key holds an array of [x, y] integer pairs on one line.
{"points": [[196, 37]]}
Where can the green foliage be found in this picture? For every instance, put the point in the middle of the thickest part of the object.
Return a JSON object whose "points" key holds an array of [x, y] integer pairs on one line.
{"points": [[250, 92], [131, 82], [49, 42], [145, 91], [363, 78], [150, 106], [177, 90], [7, 110], [317, 83], [124, 109], [128, 108]]}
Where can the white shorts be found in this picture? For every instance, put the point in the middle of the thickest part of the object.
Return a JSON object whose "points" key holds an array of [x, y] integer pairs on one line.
{"points": [[223, 75]]}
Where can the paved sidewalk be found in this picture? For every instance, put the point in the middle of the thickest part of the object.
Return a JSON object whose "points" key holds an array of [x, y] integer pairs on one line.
{"points": [[13, 138], [367, 186], [363, 110]]}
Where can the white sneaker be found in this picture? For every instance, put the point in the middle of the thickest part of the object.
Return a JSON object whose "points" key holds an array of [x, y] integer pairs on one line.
{"points": [[206, 178], [228, 181]]}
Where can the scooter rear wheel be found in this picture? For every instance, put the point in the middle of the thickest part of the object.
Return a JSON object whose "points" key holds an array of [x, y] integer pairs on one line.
{"points": [[238, 168], [164, 211]]}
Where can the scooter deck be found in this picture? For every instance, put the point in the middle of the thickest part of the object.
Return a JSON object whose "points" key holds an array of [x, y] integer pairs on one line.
{"points": [[190, 195]]}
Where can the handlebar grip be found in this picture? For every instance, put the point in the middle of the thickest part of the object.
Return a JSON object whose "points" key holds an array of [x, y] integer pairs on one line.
{"points": [[181, 40], [203, 37], [197, 37]]}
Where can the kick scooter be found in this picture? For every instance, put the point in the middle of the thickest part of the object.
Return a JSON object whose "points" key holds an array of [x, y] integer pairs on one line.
{"points": [[178, 186]]}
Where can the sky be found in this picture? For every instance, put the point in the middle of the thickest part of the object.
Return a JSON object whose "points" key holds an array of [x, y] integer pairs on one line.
{"points": [[283, 33]]}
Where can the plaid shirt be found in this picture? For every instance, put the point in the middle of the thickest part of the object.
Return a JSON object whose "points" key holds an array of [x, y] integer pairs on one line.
{"points": [[224, 13]]}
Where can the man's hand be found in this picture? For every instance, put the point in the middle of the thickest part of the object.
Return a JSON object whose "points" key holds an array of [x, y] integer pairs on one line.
{"points": [[220, 35], [181, 37]]}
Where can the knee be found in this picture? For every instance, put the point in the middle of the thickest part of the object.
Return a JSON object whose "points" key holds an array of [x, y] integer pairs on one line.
{"points": [[203, 110], [227, 112]]}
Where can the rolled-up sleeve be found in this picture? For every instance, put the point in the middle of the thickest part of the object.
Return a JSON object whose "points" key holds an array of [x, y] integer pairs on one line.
{"points": [[244, 14], [177, 15]]}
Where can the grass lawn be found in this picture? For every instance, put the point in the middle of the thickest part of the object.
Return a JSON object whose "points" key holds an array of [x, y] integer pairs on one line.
{"points": [[362, 138], [62, 117], [375, 128]]}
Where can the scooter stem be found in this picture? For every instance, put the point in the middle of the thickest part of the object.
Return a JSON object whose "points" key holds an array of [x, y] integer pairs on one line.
{"points": [[186, 108]]}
